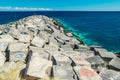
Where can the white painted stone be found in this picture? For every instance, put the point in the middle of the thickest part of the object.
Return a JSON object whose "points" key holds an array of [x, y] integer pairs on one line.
{"points": [[51, 48], [1, 32], [2, 59], [115, 63], [14, 32], [16, 47], [78, 60], [24, 38], [6, 38], [37, 51], [30, 24], [3, 46], [69, 34], [66, 47], [44, 35], [37, 41], [63, 72], [61, 59], [39, 67], [108, 74]]}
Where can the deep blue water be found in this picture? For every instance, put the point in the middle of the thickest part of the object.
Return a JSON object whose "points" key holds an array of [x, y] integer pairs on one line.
{"points": [[94, 28]]}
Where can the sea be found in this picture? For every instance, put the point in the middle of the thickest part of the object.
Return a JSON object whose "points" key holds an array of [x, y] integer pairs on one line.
{"points": [[92, 27]]}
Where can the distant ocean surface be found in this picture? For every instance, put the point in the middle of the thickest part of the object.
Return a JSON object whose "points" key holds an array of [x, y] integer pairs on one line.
{"points": [[93, 28]]}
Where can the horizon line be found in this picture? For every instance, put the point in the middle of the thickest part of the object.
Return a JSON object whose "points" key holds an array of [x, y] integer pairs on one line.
{"points": [[56, 10]]}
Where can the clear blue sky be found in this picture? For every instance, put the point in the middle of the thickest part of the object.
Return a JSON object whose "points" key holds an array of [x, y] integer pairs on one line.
{"points": [[81, 5]]}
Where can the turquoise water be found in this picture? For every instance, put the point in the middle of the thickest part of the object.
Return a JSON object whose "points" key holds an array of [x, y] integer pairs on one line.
{"points": [[79, 35]]}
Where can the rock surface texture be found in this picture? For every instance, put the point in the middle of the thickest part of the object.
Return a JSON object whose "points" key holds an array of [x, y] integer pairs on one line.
{"points": [[38, 48]]}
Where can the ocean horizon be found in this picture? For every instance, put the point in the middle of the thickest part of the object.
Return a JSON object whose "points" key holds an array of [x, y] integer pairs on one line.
{"points": [[100, 28]]}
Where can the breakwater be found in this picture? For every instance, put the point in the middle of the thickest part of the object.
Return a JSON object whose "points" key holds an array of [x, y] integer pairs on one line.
{"points": [[38, 48]]}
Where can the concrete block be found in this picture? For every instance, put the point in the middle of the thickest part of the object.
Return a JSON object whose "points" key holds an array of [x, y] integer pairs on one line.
{"points": [[63, 72], [59, 40], [64, 37], [109, 74], [80, 61], [114, 63], [18, 56], [86, 53], [30, 24], [38, 67], [6, 38], [14, 32], [69, 34], [3, 46], [86, 73], [24, 38], [39, 52], [37, 41], [51, 48], [96, 62], [70, 53], [74, 40], [82, 47], [44, 35], [66, 48], [61, 59], [53, 40], [48, 29], [17, 47], [104, 54]]}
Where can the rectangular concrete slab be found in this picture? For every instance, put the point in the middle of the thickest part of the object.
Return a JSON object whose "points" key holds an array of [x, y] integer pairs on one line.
{"points": [[74, 40], [110, 74], [24, 38], [104, 54], [37, 51], [70, 53], [66, 47], [63, 72], [16, 47], [37, 41], [95, 60], [86, 73], [114, 63], [61, 59], [38, 67], [6, 38], [44, 35], [14, 32], [59, 40], [86, 53], [51, 48], [80, 61]]}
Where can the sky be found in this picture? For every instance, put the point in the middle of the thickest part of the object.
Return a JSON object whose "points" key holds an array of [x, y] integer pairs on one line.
{"points": [[60, 5]]}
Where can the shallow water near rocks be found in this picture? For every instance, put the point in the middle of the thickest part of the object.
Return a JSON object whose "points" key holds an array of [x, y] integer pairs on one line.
{"points": [[93, 28]]}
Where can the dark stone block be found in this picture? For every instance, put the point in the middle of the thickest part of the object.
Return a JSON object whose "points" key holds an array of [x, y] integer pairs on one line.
{"points": [[96, 62]]}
